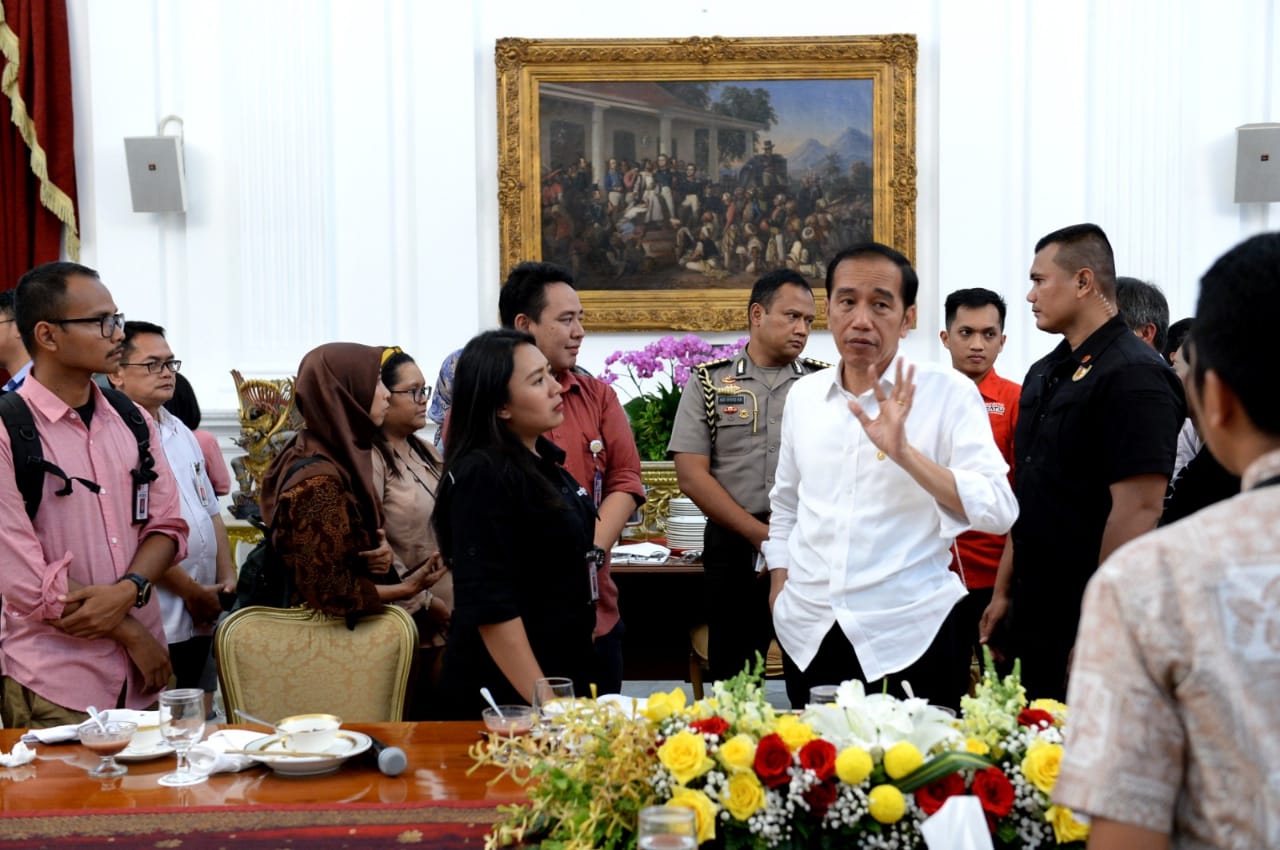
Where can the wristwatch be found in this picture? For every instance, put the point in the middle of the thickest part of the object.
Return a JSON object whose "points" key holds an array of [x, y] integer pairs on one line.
{"points": [[144, 588]]}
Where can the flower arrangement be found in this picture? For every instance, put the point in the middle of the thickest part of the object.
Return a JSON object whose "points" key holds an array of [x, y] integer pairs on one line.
{"points": [[652, 413], [865, 772]]}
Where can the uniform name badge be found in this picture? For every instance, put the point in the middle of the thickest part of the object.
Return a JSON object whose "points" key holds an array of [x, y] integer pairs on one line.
{"points": [[593, 575]]}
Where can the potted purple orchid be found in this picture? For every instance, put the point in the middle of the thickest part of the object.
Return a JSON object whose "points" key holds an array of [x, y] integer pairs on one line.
{"points": [[653, 412]]}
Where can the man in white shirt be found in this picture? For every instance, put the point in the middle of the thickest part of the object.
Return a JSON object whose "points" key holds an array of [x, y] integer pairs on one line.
{"points": [[188, 592], [14, 358], [869, 494]]}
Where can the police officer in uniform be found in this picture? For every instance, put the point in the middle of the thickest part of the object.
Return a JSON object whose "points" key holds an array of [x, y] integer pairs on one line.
{"points": [[725, 446]]}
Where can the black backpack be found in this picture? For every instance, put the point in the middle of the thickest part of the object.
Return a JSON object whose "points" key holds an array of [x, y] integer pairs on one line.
{"points": [[30, 465], [264, 579]]}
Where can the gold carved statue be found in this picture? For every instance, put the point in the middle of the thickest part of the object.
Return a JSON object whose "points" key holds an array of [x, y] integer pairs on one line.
{"points": [[268, 420]]}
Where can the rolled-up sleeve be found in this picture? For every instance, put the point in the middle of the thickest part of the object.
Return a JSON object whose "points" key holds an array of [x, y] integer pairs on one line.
{"points": [[980, 471], [622, 470]]}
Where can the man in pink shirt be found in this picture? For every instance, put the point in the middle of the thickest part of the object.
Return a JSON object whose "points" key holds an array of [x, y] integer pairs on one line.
{"points": [[600, 452], [79, 625]]}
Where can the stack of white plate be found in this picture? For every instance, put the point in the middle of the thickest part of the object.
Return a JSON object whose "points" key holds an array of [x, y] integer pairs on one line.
{"points": [[685, 524]]}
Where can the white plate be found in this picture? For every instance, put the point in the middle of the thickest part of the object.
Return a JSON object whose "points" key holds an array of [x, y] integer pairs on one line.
{"points": [[158, 751], [272, 752]]}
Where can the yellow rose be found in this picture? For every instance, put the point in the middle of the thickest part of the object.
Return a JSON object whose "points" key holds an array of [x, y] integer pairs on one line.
{"points": [[976, 746], [744, 795], [853, 766], [886, 804], [1040, 765], [738, 753], [1065, 826], [661, 705], [901, 759], [794, 733], [704, 810], [685, 755]]}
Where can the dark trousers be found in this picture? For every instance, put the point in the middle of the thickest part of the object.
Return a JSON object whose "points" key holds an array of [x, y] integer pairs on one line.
{"points": [[188, 658], [941, 675], [1043, 629], [608, 649], [737, 601], [971, 608]]}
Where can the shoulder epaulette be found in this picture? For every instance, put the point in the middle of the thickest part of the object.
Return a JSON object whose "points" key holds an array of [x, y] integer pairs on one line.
{"points": [[709, 394], [814, 365]]}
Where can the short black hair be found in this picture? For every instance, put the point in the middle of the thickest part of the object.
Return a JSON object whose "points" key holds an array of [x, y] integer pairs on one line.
{"points": [[1143, 303], [766, 288], [910, 282], [525, 290], [974, 299], [1177, 335], [41, 296], [7, 302], [1084, 246], [132, 329], [1238, 303], [184, 404]]}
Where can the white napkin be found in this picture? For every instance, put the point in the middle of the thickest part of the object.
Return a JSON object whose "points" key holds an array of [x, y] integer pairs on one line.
{"points": [[58, 734], [641, 553], [20, 755], [211, 756], [958, 825]]}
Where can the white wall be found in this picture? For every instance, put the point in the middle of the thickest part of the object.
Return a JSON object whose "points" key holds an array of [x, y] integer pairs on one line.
{"points": [[341, 156]]}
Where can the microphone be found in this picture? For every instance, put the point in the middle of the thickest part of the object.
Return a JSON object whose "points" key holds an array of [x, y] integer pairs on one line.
{"points": [[391, 760]]}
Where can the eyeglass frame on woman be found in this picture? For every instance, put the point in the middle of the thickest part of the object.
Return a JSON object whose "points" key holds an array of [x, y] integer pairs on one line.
{"points": [[116, 323], [155, 367], [424, 392]]}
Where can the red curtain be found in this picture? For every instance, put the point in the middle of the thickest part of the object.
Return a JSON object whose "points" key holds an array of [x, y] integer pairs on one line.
{"points": [[37, 137]]}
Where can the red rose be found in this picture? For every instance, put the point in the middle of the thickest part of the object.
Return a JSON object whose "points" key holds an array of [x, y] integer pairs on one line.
{"points": [[1034, 717], [711, 726], [772, 760], [820, 797], [820, 757], [931, 797], [995, 791]]}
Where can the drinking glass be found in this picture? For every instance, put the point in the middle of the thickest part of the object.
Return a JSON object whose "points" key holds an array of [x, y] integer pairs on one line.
{"points": [[823, 694], [552, 696], [182, 725], [667, 828], [107, 740]]}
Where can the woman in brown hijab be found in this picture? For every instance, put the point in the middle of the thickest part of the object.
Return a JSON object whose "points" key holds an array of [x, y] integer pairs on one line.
{"points": [[318, 496]]}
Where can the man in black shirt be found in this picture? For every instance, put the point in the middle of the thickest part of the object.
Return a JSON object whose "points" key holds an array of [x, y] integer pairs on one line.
{"points": [[1095, 443]]}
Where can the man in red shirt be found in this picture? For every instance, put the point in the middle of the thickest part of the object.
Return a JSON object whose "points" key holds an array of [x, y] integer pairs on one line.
{"points": [[600, 452], [975, 337]]}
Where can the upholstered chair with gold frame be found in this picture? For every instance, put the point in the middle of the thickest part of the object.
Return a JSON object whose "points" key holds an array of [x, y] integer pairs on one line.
{"points": [[277, 662]]}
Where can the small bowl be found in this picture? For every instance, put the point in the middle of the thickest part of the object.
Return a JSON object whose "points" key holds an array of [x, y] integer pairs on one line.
{"points": [[310, 733], [515, 719], [109, 741]]}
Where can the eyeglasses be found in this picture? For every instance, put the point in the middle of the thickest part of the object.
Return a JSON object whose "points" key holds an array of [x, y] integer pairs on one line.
{"points": [[155, 367], [418, 394], [108, 324]]}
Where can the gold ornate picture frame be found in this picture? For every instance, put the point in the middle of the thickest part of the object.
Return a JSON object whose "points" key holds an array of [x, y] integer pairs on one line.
{"points": [[602, 144]]}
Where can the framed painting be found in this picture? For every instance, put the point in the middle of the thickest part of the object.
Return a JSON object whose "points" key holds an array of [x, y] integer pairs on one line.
{"points": [[670, 175]]}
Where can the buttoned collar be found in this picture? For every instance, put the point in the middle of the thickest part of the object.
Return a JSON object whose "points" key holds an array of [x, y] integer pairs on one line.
{"points": [[1093, 346], [52, 408], [886, 380], [570, 381], [743, 365]]}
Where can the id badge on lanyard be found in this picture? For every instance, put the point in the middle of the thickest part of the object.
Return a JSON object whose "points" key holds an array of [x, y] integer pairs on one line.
{"points": [[597, 479]]}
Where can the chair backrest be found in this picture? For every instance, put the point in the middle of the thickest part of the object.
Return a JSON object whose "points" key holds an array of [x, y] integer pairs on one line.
{"points": [[275, 662]]}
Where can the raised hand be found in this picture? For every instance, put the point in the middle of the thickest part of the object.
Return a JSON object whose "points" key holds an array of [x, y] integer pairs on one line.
{"points": [[888, 431]]}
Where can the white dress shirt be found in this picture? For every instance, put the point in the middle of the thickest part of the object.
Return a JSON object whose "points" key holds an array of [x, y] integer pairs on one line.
{"points": [[866, 546], [199, 505], [17, 378]]}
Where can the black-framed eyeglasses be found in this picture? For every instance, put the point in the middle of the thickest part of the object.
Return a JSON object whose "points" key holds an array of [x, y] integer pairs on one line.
{"points": [[418, 394], [155, 367], [108, 323]]}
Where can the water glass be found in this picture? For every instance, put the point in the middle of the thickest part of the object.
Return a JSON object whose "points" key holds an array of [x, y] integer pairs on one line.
{"points": [[667, 828], [552, 696], [182, 725], [823, 694]]}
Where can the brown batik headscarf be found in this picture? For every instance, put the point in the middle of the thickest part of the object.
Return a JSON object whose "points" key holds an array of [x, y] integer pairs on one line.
{"points": [[334, 391]]}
